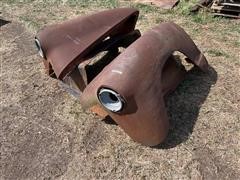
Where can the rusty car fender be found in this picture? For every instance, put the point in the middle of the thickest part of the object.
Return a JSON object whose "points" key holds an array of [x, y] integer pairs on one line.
{"points": [[131, 85], [65, 45], [136, 75]]}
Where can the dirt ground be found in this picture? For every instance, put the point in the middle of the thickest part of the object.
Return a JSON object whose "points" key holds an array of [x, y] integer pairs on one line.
{"points": [[46, 135]]}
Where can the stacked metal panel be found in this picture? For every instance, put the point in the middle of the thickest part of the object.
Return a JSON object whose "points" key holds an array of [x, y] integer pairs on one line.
{"points": [[227, 8]]}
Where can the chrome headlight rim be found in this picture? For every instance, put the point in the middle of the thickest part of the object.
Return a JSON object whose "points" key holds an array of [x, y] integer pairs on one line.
{"points": [[110, 99], [39, 48]]}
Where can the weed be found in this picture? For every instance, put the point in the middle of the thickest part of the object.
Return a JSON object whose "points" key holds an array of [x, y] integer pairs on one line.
{"points": [[32, 24], [93, 3], [144, 8], [216, 53]]}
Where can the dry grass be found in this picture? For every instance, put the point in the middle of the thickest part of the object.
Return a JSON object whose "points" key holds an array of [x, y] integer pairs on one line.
{"points": [[46, 135]]}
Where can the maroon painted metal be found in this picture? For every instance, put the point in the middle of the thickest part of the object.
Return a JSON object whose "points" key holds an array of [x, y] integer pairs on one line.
{"points": [[66, 45], [137, 75], [130, 86]]}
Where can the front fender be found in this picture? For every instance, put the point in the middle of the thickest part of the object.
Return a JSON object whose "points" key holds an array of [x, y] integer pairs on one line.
{"points": [[137, 75]]}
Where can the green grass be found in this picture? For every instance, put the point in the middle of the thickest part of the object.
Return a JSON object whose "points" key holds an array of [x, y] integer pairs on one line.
{"points": [[96, 3], [217, 53], [17, 1], [29, 22], [182, 9], [217, 93], [149, 14]]}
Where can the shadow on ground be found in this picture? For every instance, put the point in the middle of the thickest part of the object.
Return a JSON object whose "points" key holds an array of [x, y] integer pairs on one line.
{"points": [[184, 105], [3, 22]]}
